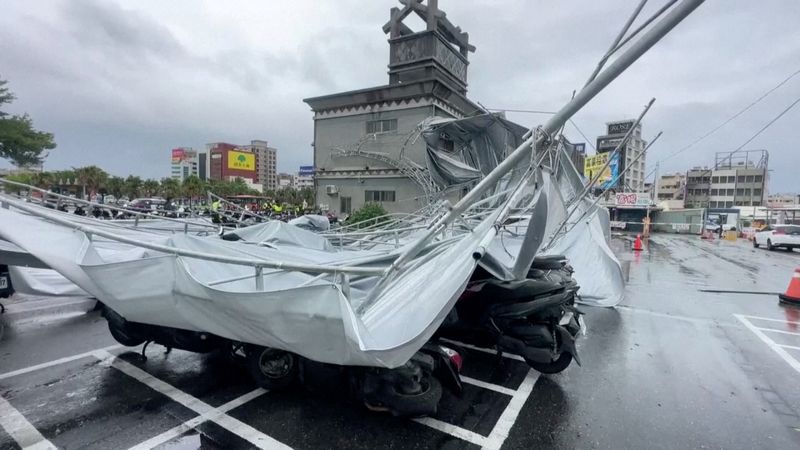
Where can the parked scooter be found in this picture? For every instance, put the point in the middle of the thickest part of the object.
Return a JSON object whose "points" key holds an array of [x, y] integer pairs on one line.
{"points": [[413, 389], [535, 318]]}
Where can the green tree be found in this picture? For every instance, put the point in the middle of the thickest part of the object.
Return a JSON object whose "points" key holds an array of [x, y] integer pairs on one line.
{"points": [[368, 215], [20, 143], [150, 188], [170, 189], [133, 186], [91, 178], [193, 187], [115, 186]]}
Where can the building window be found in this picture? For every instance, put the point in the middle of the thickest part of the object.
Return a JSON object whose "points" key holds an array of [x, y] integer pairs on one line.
{"points": [[741, 178], [731, 179], [378, 196], [747, 192], [757, 178], [739, 192], [729, 192], [715, 180], [345, 205], [381, 126], [714, 191], [756, 203], [757, 192], [749, 179]]}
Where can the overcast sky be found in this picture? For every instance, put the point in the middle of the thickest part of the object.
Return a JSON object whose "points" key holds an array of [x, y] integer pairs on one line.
{"points": [[121, 83]]}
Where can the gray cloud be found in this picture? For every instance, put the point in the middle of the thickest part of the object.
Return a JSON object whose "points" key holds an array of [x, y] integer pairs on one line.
{"points": [[120, 83]]}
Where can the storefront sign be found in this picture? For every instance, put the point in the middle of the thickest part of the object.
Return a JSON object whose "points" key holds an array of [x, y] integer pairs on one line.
{"points": [[632, 199]]}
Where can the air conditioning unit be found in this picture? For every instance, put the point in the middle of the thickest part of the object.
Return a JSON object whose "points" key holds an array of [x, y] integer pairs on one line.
{"points": [[331, 189]]}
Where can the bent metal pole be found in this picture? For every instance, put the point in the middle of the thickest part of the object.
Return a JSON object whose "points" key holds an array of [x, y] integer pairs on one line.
{"points": [[555, 122]]}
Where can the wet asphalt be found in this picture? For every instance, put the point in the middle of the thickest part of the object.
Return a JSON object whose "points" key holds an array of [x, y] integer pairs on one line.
{"points": [[674, 366]]}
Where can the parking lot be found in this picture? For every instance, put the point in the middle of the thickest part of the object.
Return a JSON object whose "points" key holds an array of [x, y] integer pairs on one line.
{"points": [[699, 354]]}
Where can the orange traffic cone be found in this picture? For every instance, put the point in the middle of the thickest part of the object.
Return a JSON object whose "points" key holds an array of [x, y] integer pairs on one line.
{"points": [[792, 295], [637, 244]]}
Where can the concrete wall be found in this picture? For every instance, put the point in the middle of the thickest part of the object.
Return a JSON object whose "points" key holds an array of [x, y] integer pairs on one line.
{"points": [[408, 197]]}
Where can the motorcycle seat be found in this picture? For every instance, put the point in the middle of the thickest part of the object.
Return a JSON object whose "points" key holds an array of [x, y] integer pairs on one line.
{"points": [[525, 290], [549, 262]]}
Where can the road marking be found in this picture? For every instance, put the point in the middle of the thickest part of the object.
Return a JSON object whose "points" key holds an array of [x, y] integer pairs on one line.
{"points": [[770, 343], [773, 330], [668, 316], [56, 362], [233, 425], [18, 427], [771, 320], [453, 430], [197, 421], [793, 347], [484, 350], [509, 417], [489, 386]]}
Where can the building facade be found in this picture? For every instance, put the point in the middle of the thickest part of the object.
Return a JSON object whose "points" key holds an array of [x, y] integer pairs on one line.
{"points": [[254, 162], [185, 162], [304, 178], [736, 179], [671, 187], [783, 200], [362, 149], [285, 181], [266, 163], [630, 155]]}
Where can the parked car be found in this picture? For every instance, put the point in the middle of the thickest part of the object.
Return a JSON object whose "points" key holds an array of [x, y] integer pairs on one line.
{"points": [[773, 236]]}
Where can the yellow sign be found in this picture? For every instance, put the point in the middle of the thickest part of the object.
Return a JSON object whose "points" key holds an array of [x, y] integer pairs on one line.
{"points": [[241, 160], [592, 164]]}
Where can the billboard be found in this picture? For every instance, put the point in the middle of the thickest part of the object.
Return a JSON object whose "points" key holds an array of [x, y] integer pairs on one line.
{"points": [[632, 199], [177, 155], [610, 175], [306, 171], [620, 127], [241, 160], [606, 144]]}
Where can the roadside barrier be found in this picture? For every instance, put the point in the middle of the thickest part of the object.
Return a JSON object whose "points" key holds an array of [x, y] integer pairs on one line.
{"points": [[792, 295]]}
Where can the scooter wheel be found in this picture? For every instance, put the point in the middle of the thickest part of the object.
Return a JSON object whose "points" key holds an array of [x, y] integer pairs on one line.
{"points": [[271, 368], [556, 366], [423, 403], [124, 335]]}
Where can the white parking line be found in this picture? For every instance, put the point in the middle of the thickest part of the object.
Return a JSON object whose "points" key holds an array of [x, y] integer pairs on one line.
{"points": [[793, 347], [509, 417], [55, 362], [490, 386], [770, 343], [25, 434], [233, 425], [771, 320], [772, 330], [196, 421], [453, 430]]}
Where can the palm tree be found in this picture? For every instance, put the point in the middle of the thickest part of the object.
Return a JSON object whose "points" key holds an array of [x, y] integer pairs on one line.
{"points": [[170, 188], [133, 186], [115, 186], [193, 187], [150, 187], [91, 178]]}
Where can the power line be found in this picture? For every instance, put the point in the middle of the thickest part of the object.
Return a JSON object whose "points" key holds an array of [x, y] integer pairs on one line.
{"points": [[732, 118]]}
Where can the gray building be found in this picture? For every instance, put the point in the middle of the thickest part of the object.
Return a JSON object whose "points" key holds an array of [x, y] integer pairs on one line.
{"points": [[737, 179], [671, 186], [366, 142], [633, 180]]}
